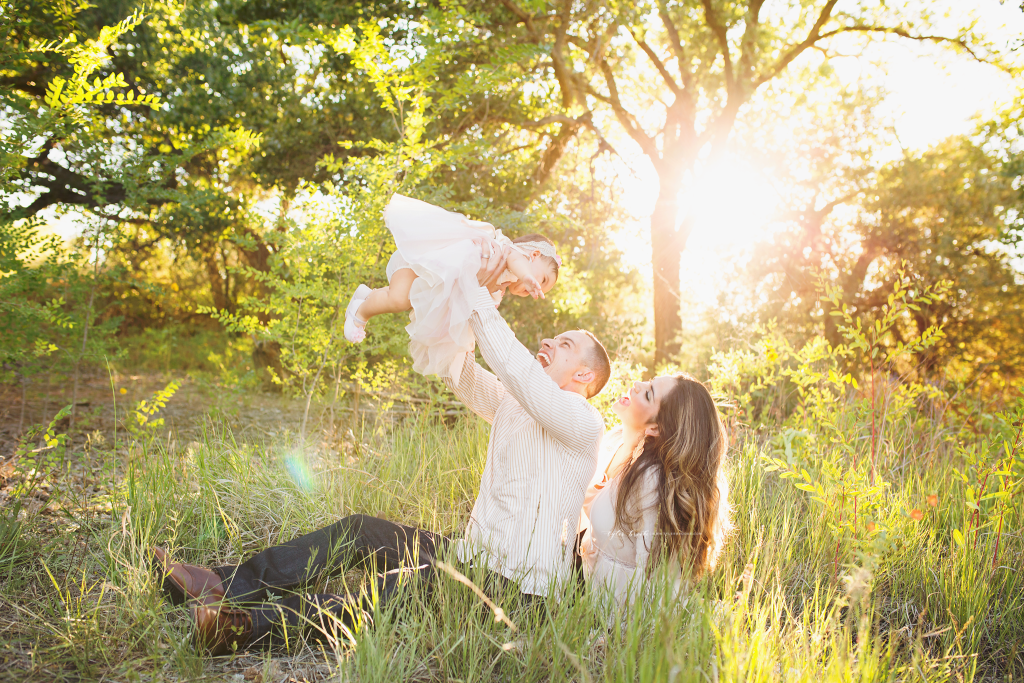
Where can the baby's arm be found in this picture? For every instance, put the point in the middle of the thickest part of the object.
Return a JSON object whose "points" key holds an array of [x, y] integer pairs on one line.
{"points": [[519, 264]]}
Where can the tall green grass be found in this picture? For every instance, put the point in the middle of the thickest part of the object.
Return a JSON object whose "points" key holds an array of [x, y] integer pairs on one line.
{"points": [[87, 606]]}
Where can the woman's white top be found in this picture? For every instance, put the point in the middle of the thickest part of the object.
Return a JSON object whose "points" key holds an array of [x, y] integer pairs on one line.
{"points": [[616, 559]]}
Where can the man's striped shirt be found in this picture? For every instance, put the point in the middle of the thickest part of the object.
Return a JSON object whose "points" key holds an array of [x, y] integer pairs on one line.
{"points": [[541, 456]]}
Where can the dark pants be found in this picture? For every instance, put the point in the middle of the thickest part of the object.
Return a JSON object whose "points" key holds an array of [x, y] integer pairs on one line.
{"points": [[393, 552]]}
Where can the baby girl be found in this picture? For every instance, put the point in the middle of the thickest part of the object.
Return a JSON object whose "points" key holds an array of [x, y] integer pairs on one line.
{"points": [[433, 274]]}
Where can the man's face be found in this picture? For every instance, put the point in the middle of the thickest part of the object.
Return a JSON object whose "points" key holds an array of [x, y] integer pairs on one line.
{"points": [[564, 355]]}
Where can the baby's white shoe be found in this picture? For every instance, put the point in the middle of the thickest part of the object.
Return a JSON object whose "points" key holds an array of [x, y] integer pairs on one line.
{"points": [[355, 330]]}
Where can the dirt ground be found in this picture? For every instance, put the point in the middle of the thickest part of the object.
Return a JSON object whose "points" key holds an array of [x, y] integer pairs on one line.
{"points": [[104, 401]]}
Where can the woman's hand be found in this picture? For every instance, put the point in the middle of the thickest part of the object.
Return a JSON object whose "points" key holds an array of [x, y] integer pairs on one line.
{"points": [[492, 262]]}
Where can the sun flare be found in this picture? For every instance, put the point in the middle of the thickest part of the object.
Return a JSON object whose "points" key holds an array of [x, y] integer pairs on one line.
{"points": [[728, 207]]}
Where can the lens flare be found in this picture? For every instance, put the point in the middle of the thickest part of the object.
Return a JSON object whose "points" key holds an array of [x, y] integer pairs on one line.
{"points": [[299, 470]]}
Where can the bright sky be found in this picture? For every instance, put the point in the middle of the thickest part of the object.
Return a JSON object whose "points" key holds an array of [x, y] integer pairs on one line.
{"points": [[932, 94]]}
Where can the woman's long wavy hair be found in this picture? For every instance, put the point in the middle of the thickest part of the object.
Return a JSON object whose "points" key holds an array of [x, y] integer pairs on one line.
{"points": [[693, 495]]}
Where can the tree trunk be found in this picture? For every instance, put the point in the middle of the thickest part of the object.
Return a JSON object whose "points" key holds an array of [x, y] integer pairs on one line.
{"points": [[85, 333], [667, 243], [218, 286]]}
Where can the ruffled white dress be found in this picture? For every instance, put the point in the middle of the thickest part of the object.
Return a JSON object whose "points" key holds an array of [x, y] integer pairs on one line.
{"points": [[438, 246]]}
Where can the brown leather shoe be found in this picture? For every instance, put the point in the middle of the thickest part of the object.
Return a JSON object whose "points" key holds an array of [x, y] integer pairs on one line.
{"points": [[221, 630], [187, 581]]}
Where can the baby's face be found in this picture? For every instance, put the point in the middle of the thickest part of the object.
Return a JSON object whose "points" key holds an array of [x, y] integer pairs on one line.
{"points": [[542, 272]]}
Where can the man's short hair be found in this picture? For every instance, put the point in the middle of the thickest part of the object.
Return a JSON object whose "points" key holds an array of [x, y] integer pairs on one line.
{"points": [[597, 360]]}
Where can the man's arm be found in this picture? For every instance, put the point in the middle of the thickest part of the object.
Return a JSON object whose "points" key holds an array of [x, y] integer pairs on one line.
{"points": [[478, 389], [561, 413]]}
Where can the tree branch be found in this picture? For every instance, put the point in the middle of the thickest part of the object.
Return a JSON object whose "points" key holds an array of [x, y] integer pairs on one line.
{"points": [[815, 36], [749, 41], [67, 187], [627, 120], [903, 33], [812, 37], [723, 41], [554, 152], [669, 81], [682, 61], [522, 14], [563, 73], [553, 118], [28, 83]]}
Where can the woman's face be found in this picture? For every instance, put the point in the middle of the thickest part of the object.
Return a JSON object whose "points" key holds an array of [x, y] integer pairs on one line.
{"points": [[638, 409]]}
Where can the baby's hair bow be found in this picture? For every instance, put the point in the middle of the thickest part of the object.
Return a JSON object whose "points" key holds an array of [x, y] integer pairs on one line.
{"points": [[544, 248]]}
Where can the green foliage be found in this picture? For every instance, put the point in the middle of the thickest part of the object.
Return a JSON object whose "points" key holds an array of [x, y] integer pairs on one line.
{"points": [[49, 442], [54, 322], [993, 470], [342, 242], [40, 451], [66, 114], [47, 294], [674, 78], [28, 261], [142, 422], [59, 301], [900, 306], [62, 95], [198, 211], [821, 448], [949, 214], [10, 535], [882, 459]]}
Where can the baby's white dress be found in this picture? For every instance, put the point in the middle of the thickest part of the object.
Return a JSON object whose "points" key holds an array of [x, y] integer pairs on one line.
{"points": [[438, 246]]}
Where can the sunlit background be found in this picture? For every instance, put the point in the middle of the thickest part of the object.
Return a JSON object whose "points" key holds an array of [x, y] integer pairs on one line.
{"points": [[931, 94]]}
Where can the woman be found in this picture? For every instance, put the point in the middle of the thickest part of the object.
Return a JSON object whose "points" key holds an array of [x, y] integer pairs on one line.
{"points": [[659, 494]]}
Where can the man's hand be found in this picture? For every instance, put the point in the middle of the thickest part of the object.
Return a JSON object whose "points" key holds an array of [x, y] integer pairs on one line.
{"points": [[492, 262]]}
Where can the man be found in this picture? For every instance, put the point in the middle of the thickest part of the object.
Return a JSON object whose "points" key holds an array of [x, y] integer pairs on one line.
{"points": [[541, 455]]}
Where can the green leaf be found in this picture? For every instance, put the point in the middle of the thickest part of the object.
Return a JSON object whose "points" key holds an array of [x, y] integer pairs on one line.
{"points": [[53, 91]]}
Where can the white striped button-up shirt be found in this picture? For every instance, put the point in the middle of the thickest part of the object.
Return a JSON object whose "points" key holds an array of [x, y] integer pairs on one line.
{"points": [[541, 456]]}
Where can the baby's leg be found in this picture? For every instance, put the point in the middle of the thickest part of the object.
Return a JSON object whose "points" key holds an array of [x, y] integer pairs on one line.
{"points": [[390, 299]]}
